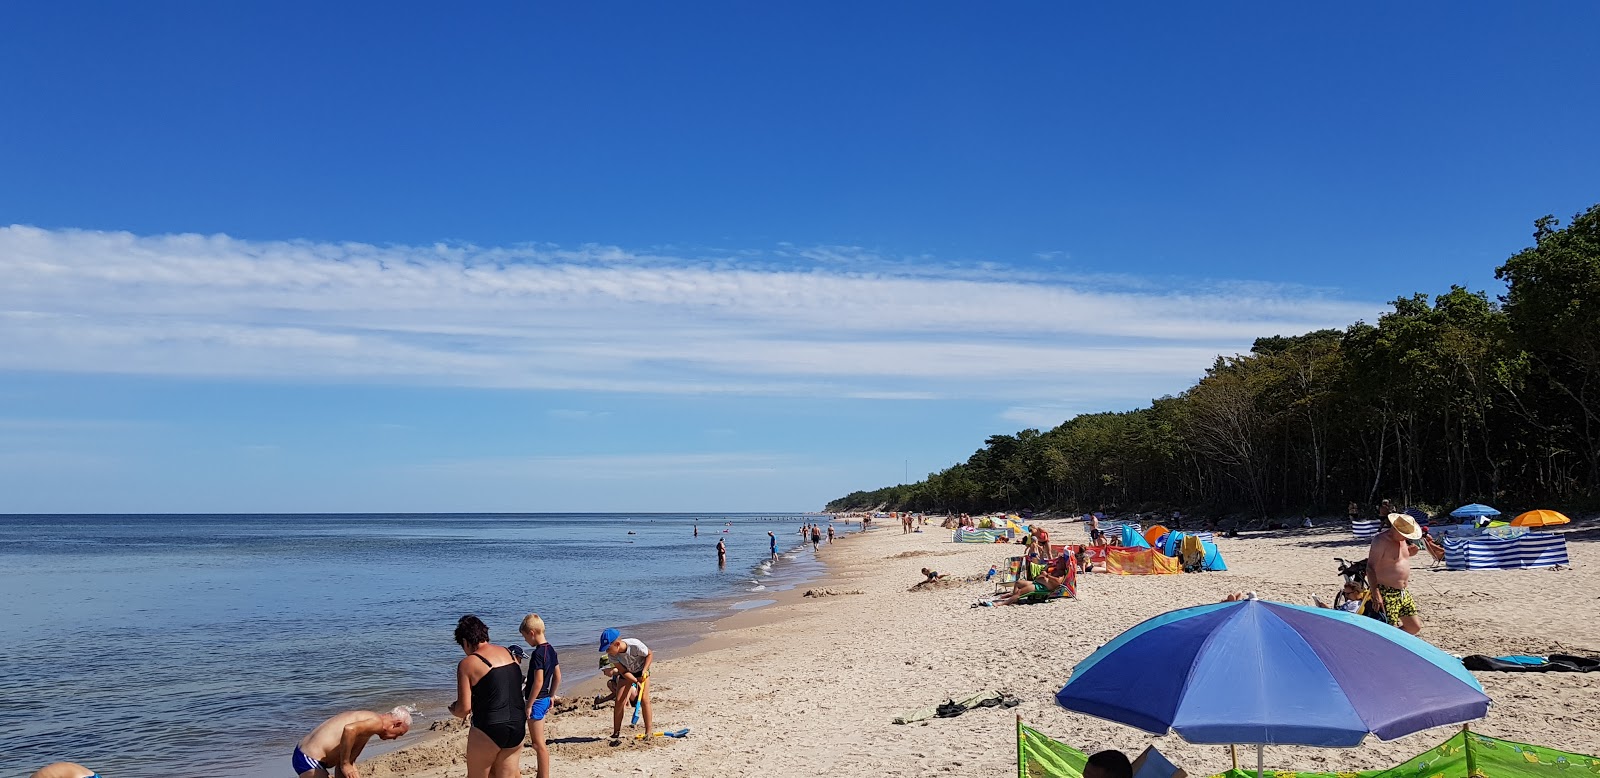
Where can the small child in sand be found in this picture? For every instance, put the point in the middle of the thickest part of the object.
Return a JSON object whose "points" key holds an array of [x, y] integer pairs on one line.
{"points": [[544, 678], [928, 577]]}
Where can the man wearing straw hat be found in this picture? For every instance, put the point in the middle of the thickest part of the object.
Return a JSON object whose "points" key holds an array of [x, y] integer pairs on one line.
{"points": [[1389, 571]]}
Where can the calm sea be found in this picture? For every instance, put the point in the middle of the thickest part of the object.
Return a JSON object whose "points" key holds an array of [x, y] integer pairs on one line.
{"points": [[134, 644]]}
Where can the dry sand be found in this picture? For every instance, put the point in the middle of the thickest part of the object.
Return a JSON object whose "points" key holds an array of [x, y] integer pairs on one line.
{"points": [[809, 686]]}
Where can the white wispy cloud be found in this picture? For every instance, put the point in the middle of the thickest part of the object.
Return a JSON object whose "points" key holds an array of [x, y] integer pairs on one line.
{"points": [[826, 321], [616, 467], [573, 414]]}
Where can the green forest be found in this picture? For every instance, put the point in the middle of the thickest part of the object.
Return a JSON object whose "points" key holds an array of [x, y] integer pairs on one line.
{"points": [[1448, 399]]}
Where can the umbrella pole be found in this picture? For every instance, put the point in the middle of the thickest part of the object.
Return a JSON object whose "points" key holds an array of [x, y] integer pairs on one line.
{"points": [[1233, 751], [1466, 745], [1261, 758]]}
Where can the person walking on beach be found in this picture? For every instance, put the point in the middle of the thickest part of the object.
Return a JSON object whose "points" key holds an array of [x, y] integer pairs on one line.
{"points": [[336, 743], [630, 661], [489, 688], [830, 533], [544, 678], [722, 553], [772, 545], [816, 538], [1389, 572]]}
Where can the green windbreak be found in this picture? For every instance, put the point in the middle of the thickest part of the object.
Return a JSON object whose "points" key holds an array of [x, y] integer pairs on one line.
{"points": [[1466, 755], [1038, 756], [1471, 755]]}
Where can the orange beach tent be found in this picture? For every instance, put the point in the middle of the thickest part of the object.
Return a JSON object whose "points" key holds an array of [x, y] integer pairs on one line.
{"points": [[1154, 534]]}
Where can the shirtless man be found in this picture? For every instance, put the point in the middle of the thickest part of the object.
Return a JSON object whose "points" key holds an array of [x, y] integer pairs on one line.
{"points": [[336, 743], [1389, 571], [64, 770]]}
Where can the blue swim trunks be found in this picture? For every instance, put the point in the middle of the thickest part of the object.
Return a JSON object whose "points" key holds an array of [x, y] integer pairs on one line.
{"points": [[541, 707], [303, 763]]}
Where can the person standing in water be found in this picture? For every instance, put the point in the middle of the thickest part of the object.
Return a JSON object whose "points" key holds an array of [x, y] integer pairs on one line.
{"points": [[722, 553], [772, 545]]}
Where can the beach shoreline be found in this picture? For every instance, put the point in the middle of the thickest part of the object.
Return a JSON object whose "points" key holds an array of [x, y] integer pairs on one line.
{"points": [[809, 685], [671, 637]]}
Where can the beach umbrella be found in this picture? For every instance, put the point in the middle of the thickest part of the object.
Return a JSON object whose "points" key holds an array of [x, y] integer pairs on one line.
{"points": [[1539, 518], [1473, 511], [1269, 673]]}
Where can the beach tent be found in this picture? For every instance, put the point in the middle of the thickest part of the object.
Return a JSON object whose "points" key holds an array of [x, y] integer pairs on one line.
{"points": [[1214, 561], [1131, 537], [1154, 535]]}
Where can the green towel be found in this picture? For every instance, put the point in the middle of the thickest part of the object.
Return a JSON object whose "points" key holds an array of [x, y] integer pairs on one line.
{"points": [[922, 714]]}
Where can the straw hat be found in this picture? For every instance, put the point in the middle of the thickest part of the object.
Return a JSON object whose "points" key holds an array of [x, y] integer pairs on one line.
{"points": [[1405, 526]]}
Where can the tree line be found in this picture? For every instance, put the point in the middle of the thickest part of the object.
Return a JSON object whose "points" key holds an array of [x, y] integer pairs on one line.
{"points": [[1445, 400]]}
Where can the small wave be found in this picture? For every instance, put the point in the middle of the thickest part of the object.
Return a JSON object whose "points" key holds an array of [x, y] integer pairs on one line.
{"points": [[757, 588]]}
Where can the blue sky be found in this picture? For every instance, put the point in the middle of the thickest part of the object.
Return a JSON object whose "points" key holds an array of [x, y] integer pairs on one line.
{"points": [[287, 256]]}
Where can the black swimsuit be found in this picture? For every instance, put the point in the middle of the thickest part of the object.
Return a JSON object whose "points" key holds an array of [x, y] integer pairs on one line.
{"points": [[497, 704]]}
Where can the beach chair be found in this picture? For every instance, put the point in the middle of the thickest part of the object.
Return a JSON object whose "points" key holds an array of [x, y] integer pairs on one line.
{"points": [[1067, 590], [1008, 579]]}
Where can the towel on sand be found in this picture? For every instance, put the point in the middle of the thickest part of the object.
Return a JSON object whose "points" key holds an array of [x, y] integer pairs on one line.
{"points": [[987, 698], [1556, 663]]}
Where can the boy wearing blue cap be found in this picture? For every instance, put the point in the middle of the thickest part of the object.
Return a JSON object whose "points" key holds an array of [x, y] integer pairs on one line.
{"points": [[630, 665]]}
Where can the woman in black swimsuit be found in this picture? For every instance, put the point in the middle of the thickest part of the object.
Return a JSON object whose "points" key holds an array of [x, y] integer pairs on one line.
{"points": [[489, 687]]}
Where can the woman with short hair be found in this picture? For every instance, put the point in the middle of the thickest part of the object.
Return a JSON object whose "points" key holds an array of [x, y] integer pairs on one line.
{"points": [[489, 688]]}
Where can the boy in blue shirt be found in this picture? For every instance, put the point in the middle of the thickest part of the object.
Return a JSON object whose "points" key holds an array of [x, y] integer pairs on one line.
{"points": [[544, 677]]}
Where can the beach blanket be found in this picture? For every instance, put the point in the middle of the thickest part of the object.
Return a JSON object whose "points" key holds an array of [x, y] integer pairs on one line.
{"points": [[1555, 663], [1491, 552]]}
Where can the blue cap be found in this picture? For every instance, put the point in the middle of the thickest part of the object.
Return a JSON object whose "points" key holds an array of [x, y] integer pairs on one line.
{"points": [[608, 637], [515, 651]]}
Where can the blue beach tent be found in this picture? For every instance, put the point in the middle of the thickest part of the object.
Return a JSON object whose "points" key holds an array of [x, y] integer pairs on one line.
{"points": [[1132, 539], [1213, 557]]}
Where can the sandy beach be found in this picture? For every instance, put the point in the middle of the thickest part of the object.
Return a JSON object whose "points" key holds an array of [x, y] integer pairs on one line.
{"points": [[809, 685]]}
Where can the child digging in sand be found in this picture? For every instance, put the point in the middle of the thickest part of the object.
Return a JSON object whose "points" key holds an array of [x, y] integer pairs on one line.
{"points": [[631, 659], [544, 678]]}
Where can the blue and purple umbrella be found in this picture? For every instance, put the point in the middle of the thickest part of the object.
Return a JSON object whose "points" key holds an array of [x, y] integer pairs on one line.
{"points": [[1270, 673]]}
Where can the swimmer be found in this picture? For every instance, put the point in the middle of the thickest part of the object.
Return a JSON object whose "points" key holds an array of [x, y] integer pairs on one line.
{"points": [[336, 743]]}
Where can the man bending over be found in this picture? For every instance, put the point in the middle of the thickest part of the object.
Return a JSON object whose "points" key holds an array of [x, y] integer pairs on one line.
{"points": [[336, 743]]}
